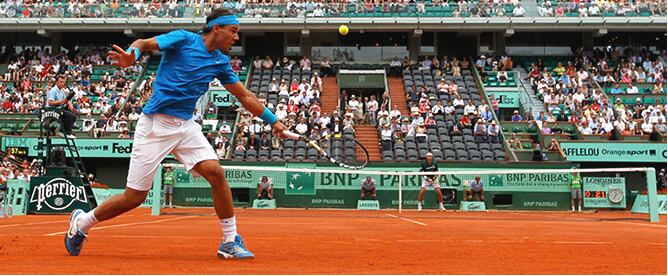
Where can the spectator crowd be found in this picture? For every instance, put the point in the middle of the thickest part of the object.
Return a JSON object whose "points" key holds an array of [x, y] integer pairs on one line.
{"points": [[321, 8], [547, 8], [569, 92], [33, 71]]}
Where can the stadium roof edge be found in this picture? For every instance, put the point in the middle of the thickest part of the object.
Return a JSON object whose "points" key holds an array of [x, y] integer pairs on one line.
{"points": [[367, 23]]}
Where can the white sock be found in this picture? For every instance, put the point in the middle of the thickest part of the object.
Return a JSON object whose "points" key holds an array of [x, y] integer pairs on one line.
{"points": [[229, 228], [86, 221]]}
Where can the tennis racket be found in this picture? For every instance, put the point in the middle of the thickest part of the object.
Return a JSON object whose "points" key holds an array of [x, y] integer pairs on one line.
{"points": [[343, 149]]}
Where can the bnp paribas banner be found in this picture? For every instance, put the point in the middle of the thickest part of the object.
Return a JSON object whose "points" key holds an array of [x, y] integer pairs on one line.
{"points": [[110, 148], [307, 183], [614, 152]]}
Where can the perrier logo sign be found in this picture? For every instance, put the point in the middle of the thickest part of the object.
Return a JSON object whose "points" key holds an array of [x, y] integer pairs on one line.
{"points": [[57, 194], [300, 183]]}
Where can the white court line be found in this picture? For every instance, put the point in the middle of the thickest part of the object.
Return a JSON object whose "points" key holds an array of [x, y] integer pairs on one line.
{"points": [[156, 237], [657, 225], [126, 224], [419, 240], [33, 223], [286, 223], [409, 220], [580, 242]]}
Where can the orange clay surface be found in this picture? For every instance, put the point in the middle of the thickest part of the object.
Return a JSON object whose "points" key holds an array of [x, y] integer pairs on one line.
{"points": [[297, 241]]}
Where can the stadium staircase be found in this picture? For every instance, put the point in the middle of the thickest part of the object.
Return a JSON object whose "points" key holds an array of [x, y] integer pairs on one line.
{"points": [[398, 95], [368, 136], [329, 96], [537, 105]]}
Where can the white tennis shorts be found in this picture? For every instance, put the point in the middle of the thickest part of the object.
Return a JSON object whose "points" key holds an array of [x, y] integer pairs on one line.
{"points": [[158, 135], [427, 183]]}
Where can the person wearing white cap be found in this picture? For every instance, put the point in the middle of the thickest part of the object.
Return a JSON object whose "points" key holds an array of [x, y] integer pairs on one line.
{"points": [[429, 165], [481, 62], [273, 86], [304, 86], [316, 80], [493, 132]]}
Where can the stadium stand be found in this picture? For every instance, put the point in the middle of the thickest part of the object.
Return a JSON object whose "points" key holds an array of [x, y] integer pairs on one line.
{"points": [[576, 95], [100, 89], [428, 8], [600, 8], [440, 121], [297, 105]]}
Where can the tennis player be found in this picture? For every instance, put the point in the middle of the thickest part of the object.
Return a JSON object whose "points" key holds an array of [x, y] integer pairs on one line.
{"points": [[430, 181], [190, 61]]}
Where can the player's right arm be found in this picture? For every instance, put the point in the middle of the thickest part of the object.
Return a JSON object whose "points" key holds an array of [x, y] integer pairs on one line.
{"points": [[164, 42], [124, 58]]}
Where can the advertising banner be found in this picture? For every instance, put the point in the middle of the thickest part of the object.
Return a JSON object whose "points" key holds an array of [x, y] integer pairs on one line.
{"points": [[641, 205], [614, 152], [50, 194], [109, 148], [506, 99], [303, 183], [221, 97]]}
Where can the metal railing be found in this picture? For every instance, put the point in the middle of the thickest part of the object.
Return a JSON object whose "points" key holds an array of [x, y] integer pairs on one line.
{"points": [[481, 85], [525, 98]]}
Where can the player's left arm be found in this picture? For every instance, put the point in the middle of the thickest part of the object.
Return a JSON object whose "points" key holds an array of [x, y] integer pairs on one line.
{"points": [[252, 104]]}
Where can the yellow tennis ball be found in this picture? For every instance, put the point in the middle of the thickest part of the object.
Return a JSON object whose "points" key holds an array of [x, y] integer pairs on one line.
{"points": [[343, 30]]}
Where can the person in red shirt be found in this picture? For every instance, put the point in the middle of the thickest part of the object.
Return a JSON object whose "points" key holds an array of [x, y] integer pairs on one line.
{"points": [[26, 85], [424, 108], [45, 70], [236, 64], [7, 105], [430, 123], [292, 107], [495, 105], [294, 86], [570, 70], [596, 106], [573, 119], [315, 108], [466, 121]]}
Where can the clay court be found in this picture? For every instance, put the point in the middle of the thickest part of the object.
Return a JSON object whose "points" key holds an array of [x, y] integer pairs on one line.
{"points": [[292, 241]]}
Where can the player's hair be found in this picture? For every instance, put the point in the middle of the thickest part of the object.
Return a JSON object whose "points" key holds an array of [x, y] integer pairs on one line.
{"points": [[213, 15], [61, 76]]}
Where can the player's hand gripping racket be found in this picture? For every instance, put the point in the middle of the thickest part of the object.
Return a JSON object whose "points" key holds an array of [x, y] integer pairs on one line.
{"points": [[344, 151]]}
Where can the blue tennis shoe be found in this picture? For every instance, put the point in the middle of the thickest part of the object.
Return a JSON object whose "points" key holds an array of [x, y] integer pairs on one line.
{"points": [[74, 238], [234, 250]]}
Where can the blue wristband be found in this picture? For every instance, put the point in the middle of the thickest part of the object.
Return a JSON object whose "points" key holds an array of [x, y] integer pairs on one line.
{"points": [[134, 50], [268, 117]]}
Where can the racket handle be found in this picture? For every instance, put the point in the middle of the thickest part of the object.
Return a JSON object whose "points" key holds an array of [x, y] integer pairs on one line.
{"points": [[291, 135]]}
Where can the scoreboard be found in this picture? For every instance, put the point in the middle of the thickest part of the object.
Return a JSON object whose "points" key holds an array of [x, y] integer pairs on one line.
{"points": [[604, 192]]}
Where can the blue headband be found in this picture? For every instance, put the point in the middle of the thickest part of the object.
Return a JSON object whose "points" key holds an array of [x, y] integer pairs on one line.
{"points": [[224, 20]]}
